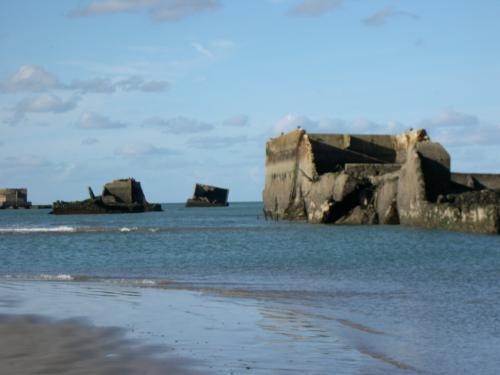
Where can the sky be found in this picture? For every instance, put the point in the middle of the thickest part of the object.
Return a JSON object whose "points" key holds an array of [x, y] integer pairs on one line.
{"points": [[174, 92]]}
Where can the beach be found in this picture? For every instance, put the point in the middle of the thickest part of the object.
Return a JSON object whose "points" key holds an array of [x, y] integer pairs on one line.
{"points": [[93, 324], [222, 291]]}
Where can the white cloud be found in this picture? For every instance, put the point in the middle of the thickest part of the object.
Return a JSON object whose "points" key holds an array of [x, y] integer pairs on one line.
{"points": [[451, 118], [212, 142], [29, 162], [179, 125], [383, 15], [153, 86], [482, 134], [159, 10], [314, 8], [237, 121], [173, 10], [32, 78], [291, 121], [29, 78], [451, 128], [97, 7], [137, 83], [455, 129], [46, 103], [142, 149], [96, 85], [333, 125], [90, 120], [105, 85]]}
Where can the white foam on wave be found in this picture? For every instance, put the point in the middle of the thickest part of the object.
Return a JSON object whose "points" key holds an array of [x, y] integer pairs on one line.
{"points": [[59, 277], [40, 277], [62, 277], [125, 281], [58, 229], [147, 282], [126, 229], [70, 229]]}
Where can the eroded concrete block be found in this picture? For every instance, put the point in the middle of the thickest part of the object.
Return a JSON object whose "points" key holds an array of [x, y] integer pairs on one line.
{"points": [[208, 196], [366, 179], [119, 196]]}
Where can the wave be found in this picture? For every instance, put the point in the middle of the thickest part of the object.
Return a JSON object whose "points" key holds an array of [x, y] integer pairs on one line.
{"points": [[222, 289], [59, 277], [58, 229], [74, 229], [65, 229], [86, 278], [240, 290], [126, 229]]}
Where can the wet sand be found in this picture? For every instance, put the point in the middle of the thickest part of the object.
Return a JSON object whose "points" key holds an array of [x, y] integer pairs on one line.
{"points": [[34, 345], [172, 331]]}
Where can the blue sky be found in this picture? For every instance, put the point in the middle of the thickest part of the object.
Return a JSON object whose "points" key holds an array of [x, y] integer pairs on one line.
{"points": [[174, 92]]}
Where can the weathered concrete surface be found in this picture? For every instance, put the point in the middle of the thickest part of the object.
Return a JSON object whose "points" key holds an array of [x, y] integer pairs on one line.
{"points": [[362, 170], [283, 161], [374, 179], [119, 196], [386, 200], [127, 191], [14, 198], [475, 211], [435, 164], [475, 181], [208, 196]]}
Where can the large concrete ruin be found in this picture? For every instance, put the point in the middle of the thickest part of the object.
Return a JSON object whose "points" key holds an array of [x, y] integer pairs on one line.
{"points": [[14, 198], [118, 196], [375, 179]]}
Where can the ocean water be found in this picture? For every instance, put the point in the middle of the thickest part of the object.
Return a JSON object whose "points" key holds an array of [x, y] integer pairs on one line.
{"points": [[324, 299]]}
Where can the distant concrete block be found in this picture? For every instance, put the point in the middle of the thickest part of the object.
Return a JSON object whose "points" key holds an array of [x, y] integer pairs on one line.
{"points": [[208, 196]]}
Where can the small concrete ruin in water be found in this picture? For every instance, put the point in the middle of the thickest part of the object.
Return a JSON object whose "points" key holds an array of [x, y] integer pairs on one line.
{"points": [[118, 196], [14, 198], [208, 196], [376, 179]]}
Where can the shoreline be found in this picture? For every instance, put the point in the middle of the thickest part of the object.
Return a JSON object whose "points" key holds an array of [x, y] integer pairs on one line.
{"points": [[190, 332]]}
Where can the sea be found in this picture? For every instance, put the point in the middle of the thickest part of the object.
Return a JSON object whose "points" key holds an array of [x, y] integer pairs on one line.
{"points": [[239, 294]]}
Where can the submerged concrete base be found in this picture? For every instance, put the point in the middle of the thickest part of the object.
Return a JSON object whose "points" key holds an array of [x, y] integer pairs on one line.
{"points": [[98, 207]]}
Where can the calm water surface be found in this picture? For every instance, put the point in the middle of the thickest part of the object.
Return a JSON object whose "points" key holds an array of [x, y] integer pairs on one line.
{"points": [[392, 298]]}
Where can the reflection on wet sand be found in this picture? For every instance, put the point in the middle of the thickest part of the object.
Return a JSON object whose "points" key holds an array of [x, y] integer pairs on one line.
{"points": [[32, 345], [222, 335], [359, 327], [385, 358], [306, 328]]}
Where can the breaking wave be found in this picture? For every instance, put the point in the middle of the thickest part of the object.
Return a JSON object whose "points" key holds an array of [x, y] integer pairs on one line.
{"points": [[64, 229], [59, 277], [236, 290], [28, 230], [85, 278]]}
